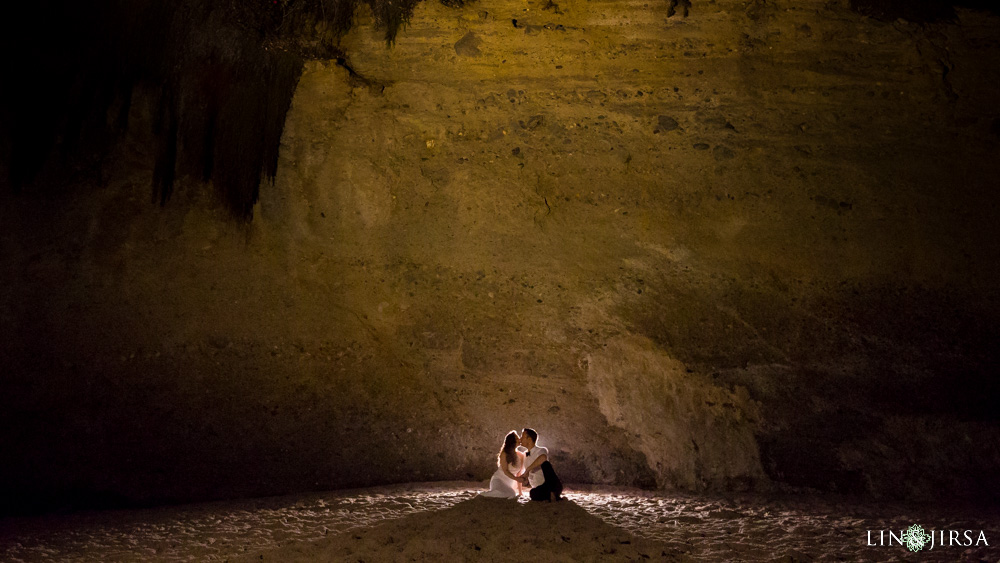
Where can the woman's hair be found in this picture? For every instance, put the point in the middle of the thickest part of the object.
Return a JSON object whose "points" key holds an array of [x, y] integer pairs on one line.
{"points": [[509, 448]]}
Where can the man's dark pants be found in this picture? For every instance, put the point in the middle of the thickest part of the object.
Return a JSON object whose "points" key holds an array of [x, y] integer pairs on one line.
{"points": [[551, 485]]}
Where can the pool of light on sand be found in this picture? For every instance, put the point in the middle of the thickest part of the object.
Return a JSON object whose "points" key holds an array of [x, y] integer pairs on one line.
{"points": [[693, 527]]}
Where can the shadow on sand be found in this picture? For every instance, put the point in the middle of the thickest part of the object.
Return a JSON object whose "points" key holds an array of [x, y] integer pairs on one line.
{"points": [[481, 529]]}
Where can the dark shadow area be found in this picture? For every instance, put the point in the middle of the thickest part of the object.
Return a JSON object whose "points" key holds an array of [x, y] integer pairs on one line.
{"points": [[866, 374], [202, 86], [919, 11]]}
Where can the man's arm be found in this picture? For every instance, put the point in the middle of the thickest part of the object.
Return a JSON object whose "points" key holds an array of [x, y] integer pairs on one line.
{"points": [[538, 461]]}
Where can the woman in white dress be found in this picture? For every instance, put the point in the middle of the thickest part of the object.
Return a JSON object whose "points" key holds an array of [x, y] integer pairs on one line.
{"points": [[510, 462]]}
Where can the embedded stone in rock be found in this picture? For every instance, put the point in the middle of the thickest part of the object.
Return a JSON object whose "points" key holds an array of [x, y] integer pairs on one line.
{"points": [[667, 123], [701, 146], [719, 122], [468, 45], [723, 153]]}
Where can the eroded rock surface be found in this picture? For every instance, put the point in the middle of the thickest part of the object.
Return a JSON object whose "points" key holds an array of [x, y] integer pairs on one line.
{"points": [[749, 247]]}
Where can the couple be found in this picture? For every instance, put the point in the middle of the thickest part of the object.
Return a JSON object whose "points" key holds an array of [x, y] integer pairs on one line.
{"points": [[525, 466]]}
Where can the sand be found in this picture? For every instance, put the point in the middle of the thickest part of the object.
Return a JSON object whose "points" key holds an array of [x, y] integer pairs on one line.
{"points": [[481, 529], [447, 522]]}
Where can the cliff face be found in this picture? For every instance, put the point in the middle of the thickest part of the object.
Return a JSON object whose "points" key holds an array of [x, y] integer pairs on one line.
{"points": [[752, 247]]}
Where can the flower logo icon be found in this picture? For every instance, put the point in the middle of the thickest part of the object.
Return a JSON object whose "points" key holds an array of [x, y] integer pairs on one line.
{"points": [[915, 537]]}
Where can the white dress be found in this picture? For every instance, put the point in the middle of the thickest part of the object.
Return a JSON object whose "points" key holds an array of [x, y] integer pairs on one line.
{"points": [[502, 486]]}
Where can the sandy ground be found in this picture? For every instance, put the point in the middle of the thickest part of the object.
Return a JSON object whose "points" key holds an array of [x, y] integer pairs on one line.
{"points": [[446, 522]]}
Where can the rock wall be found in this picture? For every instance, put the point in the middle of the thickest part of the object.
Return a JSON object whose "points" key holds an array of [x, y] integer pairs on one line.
{"points": [[753, 247], [695, 434]]}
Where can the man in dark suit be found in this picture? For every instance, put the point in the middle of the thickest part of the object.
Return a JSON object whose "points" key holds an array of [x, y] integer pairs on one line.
{"points": [[538, 473]]}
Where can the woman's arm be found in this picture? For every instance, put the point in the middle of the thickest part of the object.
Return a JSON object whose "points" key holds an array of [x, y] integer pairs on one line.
{"points": [[520, 464], [520, 472], [504, 468]]}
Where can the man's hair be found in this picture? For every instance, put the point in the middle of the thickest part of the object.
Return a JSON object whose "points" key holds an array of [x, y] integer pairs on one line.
{"points": [[532, 433]]}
